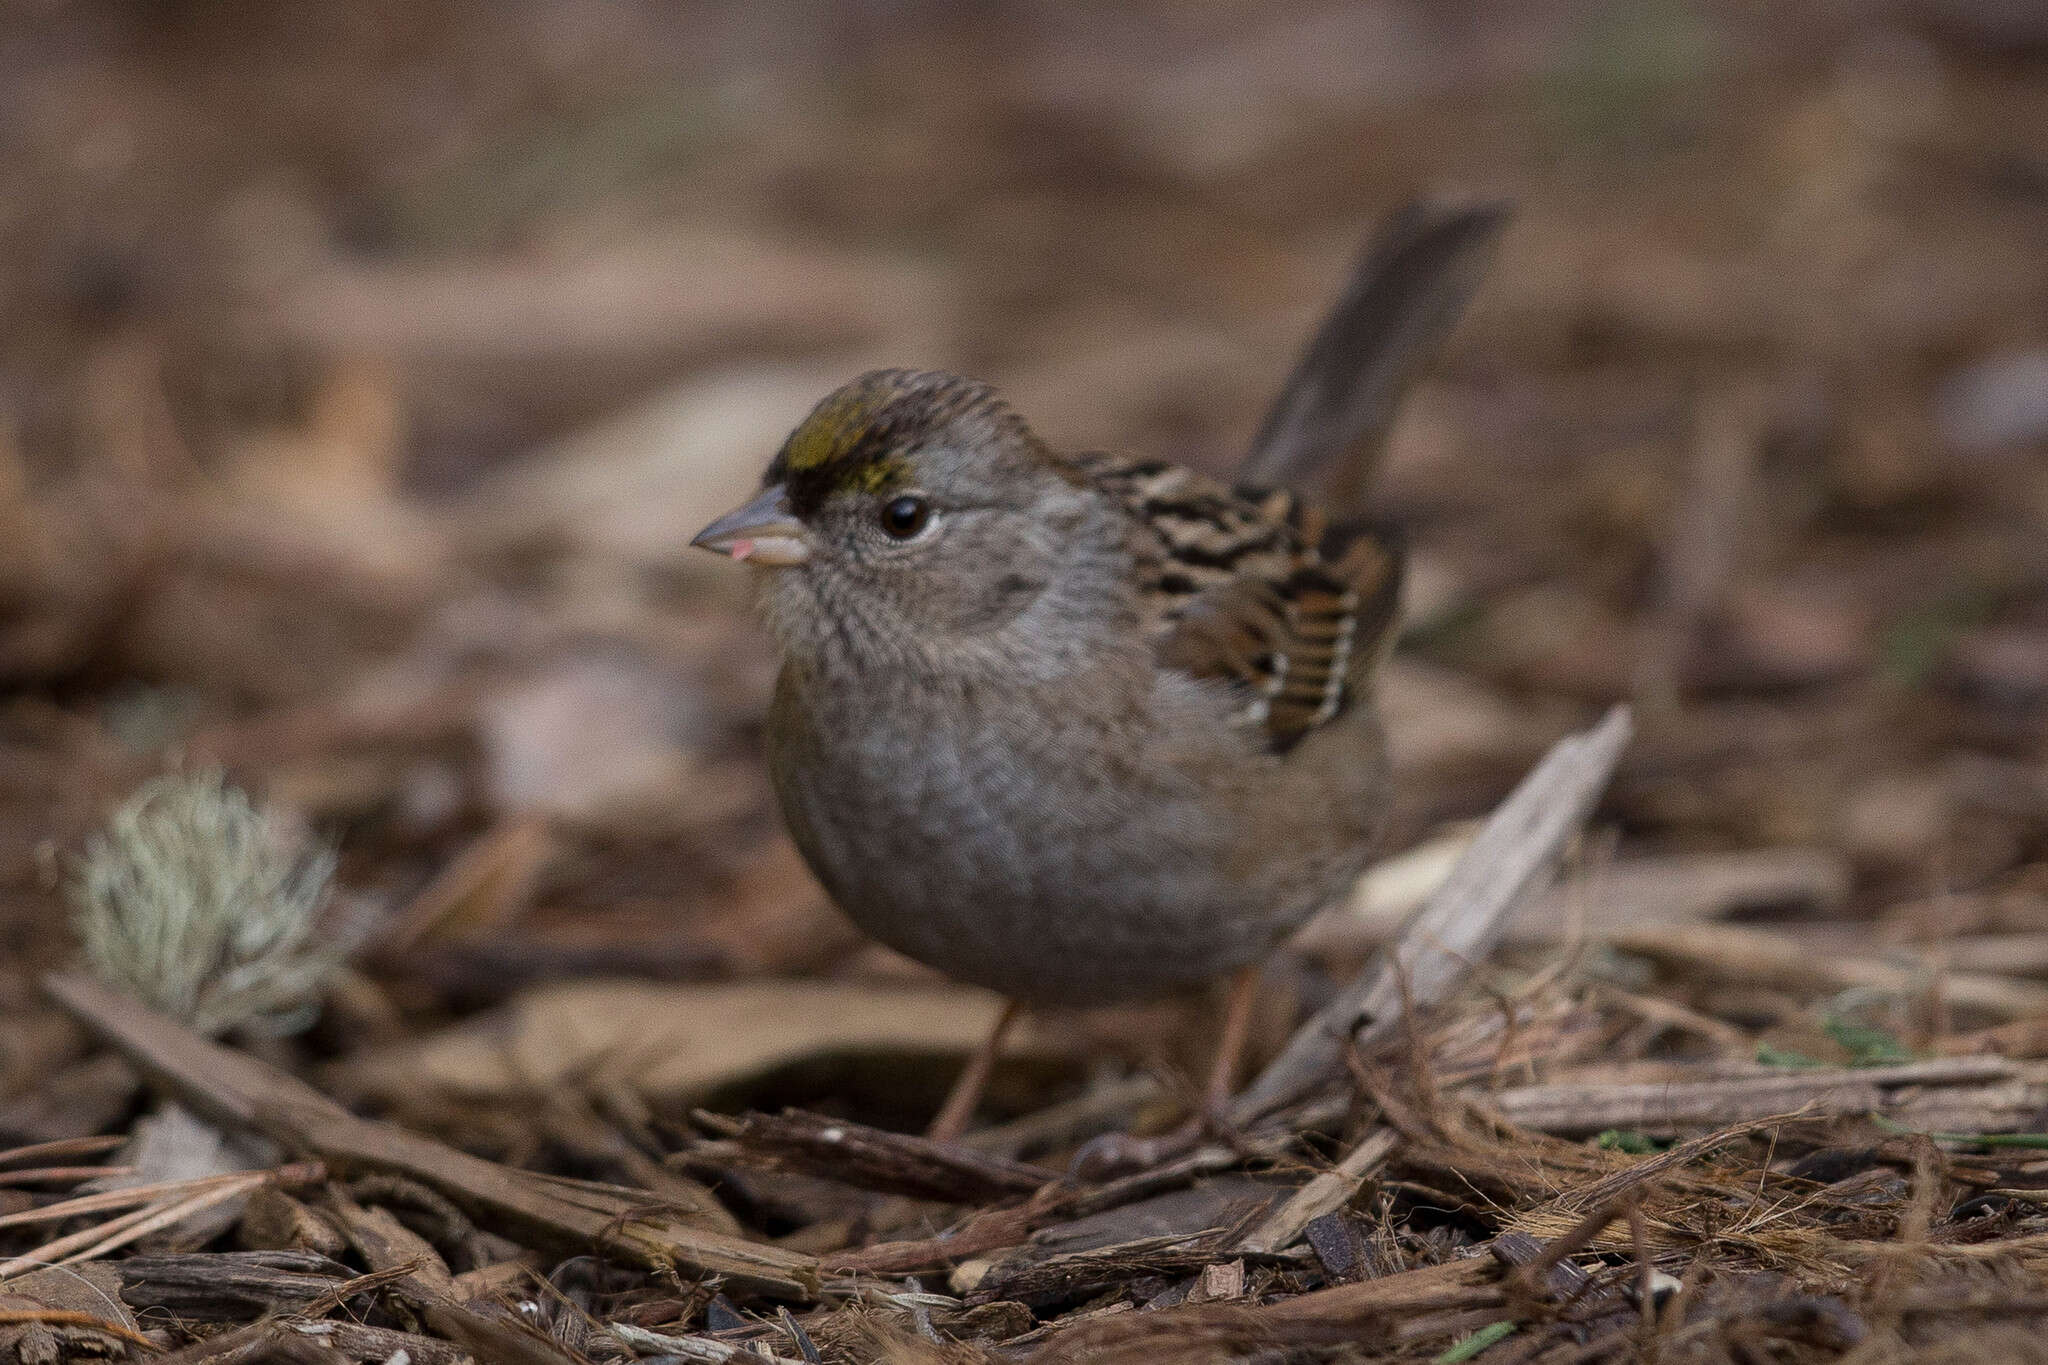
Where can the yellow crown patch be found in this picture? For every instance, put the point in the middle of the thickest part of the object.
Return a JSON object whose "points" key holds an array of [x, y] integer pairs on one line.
{"points": [[834, 430], [862, 438], [847, 444]]}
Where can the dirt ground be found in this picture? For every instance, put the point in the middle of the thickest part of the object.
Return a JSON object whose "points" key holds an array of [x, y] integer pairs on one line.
{"points": [[365, 369]]}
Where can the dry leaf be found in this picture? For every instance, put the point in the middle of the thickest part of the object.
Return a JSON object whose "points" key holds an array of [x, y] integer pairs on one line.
{"points": [[666, 1043]]}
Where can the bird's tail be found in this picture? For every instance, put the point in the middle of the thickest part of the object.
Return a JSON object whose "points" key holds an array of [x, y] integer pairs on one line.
{"points": [[1324, 433]]}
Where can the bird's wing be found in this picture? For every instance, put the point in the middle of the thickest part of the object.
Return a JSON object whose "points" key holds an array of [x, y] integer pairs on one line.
{"points": [[1251, 587]]}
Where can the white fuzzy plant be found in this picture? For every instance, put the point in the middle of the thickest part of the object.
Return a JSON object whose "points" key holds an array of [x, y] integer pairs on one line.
{"points": [[206, 907]]}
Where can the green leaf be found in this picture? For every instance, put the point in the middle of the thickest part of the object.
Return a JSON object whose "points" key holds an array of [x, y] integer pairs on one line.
{"points": [[1918, 638], [1628, 1140], [1867, 1046], [1465, 1348]]}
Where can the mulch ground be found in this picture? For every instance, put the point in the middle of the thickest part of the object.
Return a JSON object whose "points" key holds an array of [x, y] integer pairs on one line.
{"points": [[366, 370]]}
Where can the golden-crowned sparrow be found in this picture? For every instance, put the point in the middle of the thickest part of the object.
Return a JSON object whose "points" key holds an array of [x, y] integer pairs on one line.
{"points": [[1079, 728]]}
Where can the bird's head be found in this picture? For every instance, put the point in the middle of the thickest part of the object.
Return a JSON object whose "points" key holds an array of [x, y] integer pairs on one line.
{"points": [[910, 507]]}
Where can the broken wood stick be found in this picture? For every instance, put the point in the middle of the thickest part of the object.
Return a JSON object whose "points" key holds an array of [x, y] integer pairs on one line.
{"points": [[1784, 961], [1514, 856], [238, 1091], [1326, 1193], [1973, 1094]]}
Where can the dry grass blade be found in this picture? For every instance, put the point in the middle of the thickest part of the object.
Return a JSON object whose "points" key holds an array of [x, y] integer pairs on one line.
{"points": [[1512, 858], [104, 1236], [198, 1196], [332, 1298], [49, 1252], [60, 1317], [1609, 1188], [147, 1194], [168, 1216], [62, 1147], [238, 1091], [61, 1175]]}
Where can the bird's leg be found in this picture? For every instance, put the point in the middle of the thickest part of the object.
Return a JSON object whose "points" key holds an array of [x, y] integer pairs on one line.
{"points": [[1237, 1027], [1115, 1154], [973, 1079]]}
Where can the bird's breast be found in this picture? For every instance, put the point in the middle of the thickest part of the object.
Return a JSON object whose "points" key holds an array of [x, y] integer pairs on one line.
{"points": [[1030, 847]]}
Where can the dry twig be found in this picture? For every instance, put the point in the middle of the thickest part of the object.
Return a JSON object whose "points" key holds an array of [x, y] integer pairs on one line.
{"points": [[1512, 858]]}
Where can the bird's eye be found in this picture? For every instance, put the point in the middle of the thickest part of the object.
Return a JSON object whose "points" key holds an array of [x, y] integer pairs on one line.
{"points": [[904, 517]]}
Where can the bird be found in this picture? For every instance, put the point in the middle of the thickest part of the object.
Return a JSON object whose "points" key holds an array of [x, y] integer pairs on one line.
{"points": [[1083, 728]]}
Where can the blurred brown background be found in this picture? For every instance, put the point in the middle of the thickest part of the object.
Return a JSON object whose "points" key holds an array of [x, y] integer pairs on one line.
{"points": [[366, 367]]}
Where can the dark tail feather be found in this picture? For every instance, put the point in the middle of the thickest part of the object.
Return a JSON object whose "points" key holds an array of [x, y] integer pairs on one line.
{"points": [[1325, 430]]}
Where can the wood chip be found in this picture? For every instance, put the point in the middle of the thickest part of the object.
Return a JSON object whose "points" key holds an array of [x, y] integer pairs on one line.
{"points": [[1325, 1194], [892, 1163], [1042, 1282], [228, 1286], [1218, 1283]]}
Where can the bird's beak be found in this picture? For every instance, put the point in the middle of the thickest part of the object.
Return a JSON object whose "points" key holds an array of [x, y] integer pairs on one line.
{"points": [[764, 531]]}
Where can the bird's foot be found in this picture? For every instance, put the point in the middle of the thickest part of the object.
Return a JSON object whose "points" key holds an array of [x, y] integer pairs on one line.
{"points": [[1119, 1154]]}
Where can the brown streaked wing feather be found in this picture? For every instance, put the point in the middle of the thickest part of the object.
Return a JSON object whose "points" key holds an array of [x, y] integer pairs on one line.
{"points": [[1250, 587], [1373, 563], [1332, 629], [1227, 632]]}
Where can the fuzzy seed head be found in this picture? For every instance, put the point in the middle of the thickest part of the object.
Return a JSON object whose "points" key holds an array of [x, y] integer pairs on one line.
{"points": [[203, 906]]}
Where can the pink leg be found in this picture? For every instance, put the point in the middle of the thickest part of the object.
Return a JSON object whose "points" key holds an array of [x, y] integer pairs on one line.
{"points": [[973, 1079], [1237, 1027]]}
